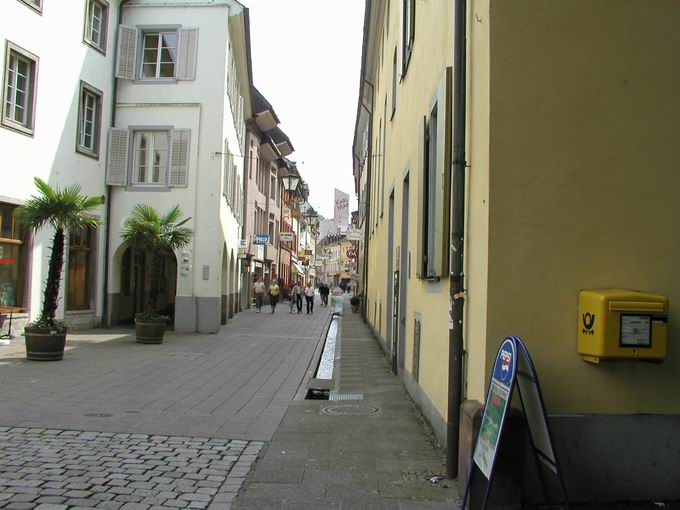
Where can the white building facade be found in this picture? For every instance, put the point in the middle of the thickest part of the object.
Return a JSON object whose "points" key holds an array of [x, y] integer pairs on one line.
{"points": [[57, 94], [183, 75]]}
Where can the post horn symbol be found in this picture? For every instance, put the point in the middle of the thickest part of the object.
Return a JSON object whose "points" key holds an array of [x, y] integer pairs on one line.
{"points": [[588, 321]]}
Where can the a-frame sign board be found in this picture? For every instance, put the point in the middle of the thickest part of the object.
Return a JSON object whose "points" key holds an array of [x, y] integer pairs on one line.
{"points": [[513, 368]]}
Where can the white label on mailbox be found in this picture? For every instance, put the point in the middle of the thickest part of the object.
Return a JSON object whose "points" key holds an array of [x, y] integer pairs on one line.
{"points": [[636, 331]]}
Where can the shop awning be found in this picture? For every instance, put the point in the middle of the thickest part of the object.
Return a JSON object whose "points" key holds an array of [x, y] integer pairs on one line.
{"points": [[297, 267]]}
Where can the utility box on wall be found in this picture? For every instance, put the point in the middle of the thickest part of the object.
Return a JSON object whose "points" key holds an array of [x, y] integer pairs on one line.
{"points": [[621, 324]]}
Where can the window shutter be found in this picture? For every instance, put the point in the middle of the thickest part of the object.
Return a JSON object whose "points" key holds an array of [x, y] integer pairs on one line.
{"points": [[225, 176], [116, 166], [186, 59], [179, 158], [127, 53], [422, 205]]}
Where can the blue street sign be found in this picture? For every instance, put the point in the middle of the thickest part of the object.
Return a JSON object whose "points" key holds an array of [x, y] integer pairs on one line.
{"points": [[261, 239]]}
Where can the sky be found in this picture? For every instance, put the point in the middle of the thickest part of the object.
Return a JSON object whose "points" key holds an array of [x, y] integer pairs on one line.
{"points": [[306, 58]]}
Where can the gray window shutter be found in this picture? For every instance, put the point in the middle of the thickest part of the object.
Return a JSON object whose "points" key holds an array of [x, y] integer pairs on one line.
{"points": [[179, 158], [127, 53], [225, 176], [186, 58], [421, 232], [117, 160]]}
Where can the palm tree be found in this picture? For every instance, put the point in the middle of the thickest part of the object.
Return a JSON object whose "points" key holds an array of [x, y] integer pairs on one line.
{"points": [[62, 210], [147, 230]]}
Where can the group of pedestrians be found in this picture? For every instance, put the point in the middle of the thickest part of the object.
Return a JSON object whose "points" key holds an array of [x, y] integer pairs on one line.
{"points": [[296, 293]]}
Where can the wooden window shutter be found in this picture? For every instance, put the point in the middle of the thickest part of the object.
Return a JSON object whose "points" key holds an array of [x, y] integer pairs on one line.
{"points": [[117, 160], [126, 58], [422, 204], [186, 59], [179, 157]]}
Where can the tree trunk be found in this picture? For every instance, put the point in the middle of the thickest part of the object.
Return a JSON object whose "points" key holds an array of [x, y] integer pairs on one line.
{"points": [[54, 275], [154, 291]]}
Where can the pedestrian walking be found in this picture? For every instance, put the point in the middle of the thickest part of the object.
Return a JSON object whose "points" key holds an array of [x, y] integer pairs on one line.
{"points": [[324, 290], [349, 287], [309, 296], [296, 298], [273, 292], [258, 289]]}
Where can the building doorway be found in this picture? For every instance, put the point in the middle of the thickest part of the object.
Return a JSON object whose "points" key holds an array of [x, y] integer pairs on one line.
{"points": [[136, 284], [405, 275]]}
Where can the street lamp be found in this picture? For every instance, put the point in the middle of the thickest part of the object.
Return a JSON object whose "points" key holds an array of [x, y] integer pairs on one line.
{"points": [[290, 182]]}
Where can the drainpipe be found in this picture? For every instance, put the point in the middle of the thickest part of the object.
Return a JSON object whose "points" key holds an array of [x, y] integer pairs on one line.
{"points": [[107, 239], [456, 277]]}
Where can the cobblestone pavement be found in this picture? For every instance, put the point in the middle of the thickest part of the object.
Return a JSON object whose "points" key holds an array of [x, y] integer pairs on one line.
{"points": [[48, 469], [124, 426]]}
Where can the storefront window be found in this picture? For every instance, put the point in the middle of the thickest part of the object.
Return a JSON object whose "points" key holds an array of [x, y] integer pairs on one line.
{"points": [[79, 269], [11, 248]]}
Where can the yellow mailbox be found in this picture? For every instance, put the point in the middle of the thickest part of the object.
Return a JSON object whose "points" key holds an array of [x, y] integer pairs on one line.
{"points": [[621, 324]]}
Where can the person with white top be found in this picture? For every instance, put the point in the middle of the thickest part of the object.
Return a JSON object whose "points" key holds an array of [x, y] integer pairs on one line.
{"points": [[258, 288], [309, 296]]}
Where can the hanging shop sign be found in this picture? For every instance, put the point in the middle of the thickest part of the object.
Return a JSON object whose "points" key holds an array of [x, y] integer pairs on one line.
{"points": [[261, 239], [286, 237], [354, 234]]}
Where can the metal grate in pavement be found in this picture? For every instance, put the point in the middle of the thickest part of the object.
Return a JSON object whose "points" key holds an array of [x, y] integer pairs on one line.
{"points": [[351, 410], [334, 395]]}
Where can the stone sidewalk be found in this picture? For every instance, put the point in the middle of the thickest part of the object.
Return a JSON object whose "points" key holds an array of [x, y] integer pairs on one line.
{"points": [[120, 425], [367, 448]]}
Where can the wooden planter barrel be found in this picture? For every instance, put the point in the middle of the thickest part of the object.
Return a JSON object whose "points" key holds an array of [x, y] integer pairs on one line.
{"points": [[150, 331], [43, 345]]}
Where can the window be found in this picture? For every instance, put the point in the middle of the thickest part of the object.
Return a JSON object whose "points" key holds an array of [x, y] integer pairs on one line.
{"points": [[407, 32], [19, 91], [96, 24], [89, 120], [151, 155], [159, 54], [11, 256], [272, 186], [271, 228], [79, 269], [36, 5]]}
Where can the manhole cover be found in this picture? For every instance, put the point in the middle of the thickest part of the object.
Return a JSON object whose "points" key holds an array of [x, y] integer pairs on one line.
{"points": [[351, 410], [99, 415]]}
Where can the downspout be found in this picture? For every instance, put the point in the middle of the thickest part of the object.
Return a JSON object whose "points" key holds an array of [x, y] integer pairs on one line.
{"points": [[106, 322], [457, 276]]}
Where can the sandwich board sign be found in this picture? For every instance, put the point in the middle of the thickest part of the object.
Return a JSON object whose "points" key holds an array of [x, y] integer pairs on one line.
{"points": [[513, 369]]}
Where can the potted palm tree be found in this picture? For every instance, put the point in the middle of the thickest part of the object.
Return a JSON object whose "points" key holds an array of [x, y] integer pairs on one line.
{"points": [[148, 231], [62, 210]]}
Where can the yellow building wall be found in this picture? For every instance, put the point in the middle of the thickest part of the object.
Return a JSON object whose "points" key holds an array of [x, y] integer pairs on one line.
{"points": [[432, 53], [584, 187]]}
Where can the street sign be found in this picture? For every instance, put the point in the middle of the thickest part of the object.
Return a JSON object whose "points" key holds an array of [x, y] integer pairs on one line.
{"points": [[513, 368], [261, 239], [286, 237]]}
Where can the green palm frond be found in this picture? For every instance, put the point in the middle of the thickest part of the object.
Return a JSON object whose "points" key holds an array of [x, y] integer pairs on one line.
{"points": [[60, 208], [146, 228]]}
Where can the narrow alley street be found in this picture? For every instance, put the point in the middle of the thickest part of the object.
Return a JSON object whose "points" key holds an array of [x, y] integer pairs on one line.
{"points": [[119, 425]]}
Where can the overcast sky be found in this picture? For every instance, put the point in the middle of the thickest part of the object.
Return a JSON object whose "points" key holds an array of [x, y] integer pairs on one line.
{"points": [[306, 61]]}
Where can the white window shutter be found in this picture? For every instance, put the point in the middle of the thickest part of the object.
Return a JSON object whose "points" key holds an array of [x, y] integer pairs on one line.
{"points": [[127, 53], [179, 158], [186, 58], [117, 159]]}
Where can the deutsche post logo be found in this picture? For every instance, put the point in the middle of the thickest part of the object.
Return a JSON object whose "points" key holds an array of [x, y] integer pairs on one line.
{"points": [[588, 324]]}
